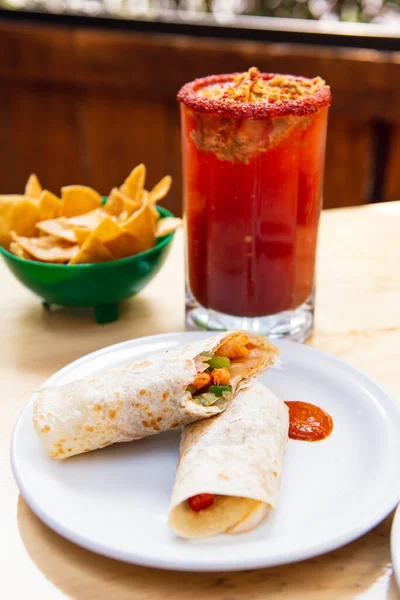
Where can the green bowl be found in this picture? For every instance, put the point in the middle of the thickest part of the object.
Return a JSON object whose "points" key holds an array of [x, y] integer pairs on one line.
{"points": [[101, 286]]}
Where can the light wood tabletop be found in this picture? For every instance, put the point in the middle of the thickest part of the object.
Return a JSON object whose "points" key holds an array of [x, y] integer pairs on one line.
{"points": [[358, 319]]}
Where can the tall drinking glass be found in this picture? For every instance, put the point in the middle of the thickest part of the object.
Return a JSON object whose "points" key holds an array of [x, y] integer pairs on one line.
{"points": [[253, 162]]}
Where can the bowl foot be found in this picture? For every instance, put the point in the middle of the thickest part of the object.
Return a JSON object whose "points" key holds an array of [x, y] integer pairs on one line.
{"points": [[106, 313]]}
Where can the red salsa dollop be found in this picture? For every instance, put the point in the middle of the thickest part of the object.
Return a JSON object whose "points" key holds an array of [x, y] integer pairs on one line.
{"points": [[308, 422]]}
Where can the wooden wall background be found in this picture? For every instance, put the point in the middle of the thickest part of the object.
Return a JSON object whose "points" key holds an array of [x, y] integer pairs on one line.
{"points": [[84, 106]]}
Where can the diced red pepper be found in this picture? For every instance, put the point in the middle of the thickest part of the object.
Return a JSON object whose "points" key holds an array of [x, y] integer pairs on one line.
{"points": [[201, 501]]}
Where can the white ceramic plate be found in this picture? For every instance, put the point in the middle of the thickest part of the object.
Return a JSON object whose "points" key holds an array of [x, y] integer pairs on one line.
{"points": [[395, 545], [114, 501]]}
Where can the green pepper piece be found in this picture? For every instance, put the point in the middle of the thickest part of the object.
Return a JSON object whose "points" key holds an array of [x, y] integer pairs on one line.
{"points": [[206, 399], [219, 362], [218, 390], [191, 389]]}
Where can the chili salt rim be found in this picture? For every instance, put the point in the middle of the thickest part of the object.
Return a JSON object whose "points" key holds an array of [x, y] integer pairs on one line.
{"points": [[252, 110]]}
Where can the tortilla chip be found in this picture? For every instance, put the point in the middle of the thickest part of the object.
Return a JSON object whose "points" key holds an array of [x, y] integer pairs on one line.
{"points": [[116, 240], [75, 229], [33, 189], [127, 212], [47, 248], [167, 225], [17, 249], [78, 228], [122, 246], [79, 199], [161, 189], [23, 218], [81, 234], [7, 202], [146, 199], [130, 206], [115, 204], [141, 227], [119, 205], [134, 183], [106, 230], [49, 206], [123, 217], [89, 220], [92, 251], [60, 228]]}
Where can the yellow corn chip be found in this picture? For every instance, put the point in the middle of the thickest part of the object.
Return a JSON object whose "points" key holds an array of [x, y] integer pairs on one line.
{"points": [[106, 230], [49, 206], [115, 239], [78, 228], [90, 220], [122, 246], [79, 199], [75, 228], [17, 249], [33, 189], [167, 225], [130, 206], [81, 234], [119, 205], [161, 189], [92, 251], [141, 227], [115, 203], [134, 183], [7, 202], [60, 228], [23, 218], [146, 199], [123, 217], [47, 248]]}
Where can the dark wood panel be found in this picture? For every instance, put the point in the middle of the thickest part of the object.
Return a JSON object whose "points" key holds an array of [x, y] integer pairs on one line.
{"points": [[349, 158], [7, 164], [46, 136], [392, 180], [173, 159], [121, 132], [364, 82]]}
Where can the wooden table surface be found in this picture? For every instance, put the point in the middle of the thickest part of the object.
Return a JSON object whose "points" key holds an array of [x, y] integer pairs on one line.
{"points": [[358, 319]]}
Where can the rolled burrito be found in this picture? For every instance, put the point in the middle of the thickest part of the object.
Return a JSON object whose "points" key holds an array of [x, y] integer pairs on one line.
{"points": [[149, 395], [229, 471]]}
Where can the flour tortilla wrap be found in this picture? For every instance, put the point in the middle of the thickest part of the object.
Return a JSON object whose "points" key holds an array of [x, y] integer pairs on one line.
{"points": [[144, 397], [236, 455]]}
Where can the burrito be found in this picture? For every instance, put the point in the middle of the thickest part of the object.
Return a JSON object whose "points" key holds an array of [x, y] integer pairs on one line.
{"points": [[229, 470], [149, 395]]}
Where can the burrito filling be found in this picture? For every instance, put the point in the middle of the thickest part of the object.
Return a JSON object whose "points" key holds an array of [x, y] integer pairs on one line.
{"points": [[218, 372]]}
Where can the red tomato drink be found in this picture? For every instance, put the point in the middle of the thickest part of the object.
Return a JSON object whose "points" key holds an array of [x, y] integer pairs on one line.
{"points": [[253, 156]]}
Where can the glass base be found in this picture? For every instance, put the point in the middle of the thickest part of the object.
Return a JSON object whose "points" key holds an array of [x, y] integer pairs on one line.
{"points": [[296, 324]]}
